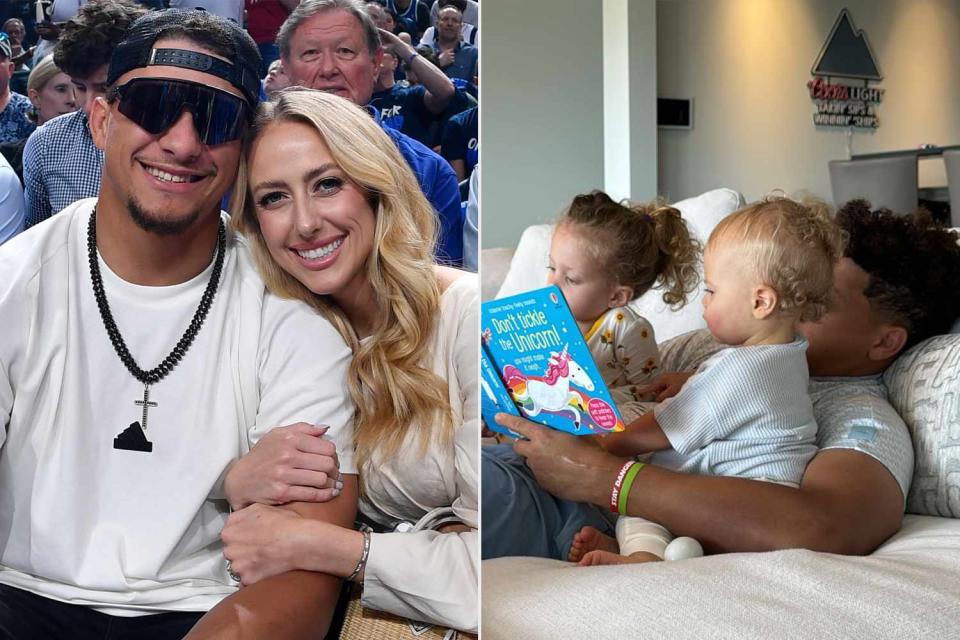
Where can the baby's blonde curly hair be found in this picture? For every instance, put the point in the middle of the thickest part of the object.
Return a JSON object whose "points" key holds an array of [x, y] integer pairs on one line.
{"points": [[791, 246]]}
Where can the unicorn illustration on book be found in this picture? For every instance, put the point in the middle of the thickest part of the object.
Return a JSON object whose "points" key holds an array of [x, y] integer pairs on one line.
{"points": [[551, 393]]}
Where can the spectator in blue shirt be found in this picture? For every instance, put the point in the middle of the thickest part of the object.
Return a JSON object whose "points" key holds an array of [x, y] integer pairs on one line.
{"points": [[460, 142], [457, 59], [401, 106], [413, 16], [14, 124], [410, 109], [469, 8]]}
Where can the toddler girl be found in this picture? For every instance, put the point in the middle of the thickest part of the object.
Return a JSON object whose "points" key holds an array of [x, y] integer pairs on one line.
{"points": [[605, 254], [746, 412]]}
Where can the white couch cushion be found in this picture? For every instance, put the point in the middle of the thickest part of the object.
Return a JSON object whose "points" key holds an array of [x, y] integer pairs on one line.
{"points": [[528, 269], [496, 263]]}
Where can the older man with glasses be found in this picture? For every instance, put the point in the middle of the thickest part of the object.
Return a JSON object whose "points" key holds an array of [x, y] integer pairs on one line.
{"points": [[111, 502]]}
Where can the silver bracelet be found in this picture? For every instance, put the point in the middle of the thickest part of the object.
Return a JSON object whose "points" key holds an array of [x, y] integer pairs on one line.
{"points": [[362, 562]]}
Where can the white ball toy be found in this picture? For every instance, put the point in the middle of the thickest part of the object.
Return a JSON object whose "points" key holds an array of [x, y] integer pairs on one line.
{"points": [[683, 548]]}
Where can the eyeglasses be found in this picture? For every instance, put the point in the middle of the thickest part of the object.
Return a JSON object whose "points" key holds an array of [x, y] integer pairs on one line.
{"points": [[155, 105]]}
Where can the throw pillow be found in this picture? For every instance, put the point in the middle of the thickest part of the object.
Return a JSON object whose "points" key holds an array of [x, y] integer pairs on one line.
{"points": [[924, 387]]}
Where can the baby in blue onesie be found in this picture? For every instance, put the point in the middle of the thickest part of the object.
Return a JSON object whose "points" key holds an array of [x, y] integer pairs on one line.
{"points": [[747, 411]]}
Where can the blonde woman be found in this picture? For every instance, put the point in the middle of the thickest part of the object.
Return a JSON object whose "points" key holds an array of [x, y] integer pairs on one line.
{"points": [[50, 92], [336, 219]]}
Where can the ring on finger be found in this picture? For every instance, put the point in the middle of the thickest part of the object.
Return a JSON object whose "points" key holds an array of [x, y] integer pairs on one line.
{"points": [[233, 575]]}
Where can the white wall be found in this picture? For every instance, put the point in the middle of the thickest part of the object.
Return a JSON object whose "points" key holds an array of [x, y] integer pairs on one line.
{"points": [[569, 105], [630, 98], [746, 64], [541, 116]]}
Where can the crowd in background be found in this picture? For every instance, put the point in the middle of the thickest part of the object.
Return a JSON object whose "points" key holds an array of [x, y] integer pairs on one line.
{"points": [[45, 75]]}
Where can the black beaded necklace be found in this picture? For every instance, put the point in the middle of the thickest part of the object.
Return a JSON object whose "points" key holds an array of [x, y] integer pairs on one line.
{"points": [[134, 437]]}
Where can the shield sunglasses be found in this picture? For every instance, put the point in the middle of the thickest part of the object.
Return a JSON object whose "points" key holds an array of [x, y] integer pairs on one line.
{"points": [[155, 105]]}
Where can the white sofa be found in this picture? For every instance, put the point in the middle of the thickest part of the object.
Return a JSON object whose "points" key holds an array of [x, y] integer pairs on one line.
{"points": [[908, 588]]}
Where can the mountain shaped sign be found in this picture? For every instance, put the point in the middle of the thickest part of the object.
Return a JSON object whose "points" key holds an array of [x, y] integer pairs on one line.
{"points": [[846, 54]]}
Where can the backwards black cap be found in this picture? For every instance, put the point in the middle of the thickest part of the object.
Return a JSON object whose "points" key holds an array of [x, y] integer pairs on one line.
{"points": [[136, 49]]}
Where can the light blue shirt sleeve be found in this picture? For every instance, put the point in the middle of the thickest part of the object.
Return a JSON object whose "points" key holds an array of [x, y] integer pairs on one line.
{"points": [[854, 413], [471, 223], [13, 209]]}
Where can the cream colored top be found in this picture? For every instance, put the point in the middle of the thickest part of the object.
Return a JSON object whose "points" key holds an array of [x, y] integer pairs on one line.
{"points": [[624, 348], [426, 575]]}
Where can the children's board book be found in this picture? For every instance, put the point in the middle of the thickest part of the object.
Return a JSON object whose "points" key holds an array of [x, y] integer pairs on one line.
{"points": [[536, 364]]}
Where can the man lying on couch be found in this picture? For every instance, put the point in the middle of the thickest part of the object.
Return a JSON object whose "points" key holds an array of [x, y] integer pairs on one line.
{"points": [[889, 296]]}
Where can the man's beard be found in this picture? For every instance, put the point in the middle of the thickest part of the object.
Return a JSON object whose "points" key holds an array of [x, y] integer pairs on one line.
{"points": [[161, 227]]}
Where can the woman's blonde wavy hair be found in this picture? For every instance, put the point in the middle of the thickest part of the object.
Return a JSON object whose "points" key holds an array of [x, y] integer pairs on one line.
{"points": [[392, 389]]}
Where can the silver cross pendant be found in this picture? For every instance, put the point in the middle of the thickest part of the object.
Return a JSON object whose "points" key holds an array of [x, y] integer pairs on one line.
{"points": [[134, 437]]}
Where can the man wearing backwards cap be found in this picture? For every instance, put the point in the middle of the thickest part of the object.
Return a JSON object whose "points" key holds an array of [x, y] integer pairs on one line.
{"points": [[111, 463]]}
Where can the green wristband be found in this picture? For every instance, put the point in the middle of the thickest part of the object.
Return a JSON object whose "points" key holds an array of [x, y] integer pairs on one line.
{"points": [[627, 485]]}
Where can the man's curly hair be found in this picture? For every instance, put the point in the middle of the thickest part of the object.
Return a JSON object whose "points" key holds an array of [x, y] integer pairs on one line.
{"points": [[88, 39], [913, 263]]}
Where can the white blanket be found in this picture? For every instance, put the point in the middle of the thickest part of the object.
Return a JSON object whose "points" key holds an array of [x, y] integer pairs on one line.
{"points": [[908, 588]]}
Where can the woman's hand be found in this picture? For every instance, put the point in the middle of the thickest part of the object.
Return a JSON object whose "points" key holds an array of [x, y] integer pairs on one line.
{"points": [[262, 541], [666, 385], [567, 466], [289, 464]]}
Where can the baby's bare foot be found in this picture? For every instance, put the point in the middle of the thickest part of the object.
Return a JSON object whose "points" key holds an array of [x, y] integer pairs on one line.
{"points": [[601, 557], [588, 539]]}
